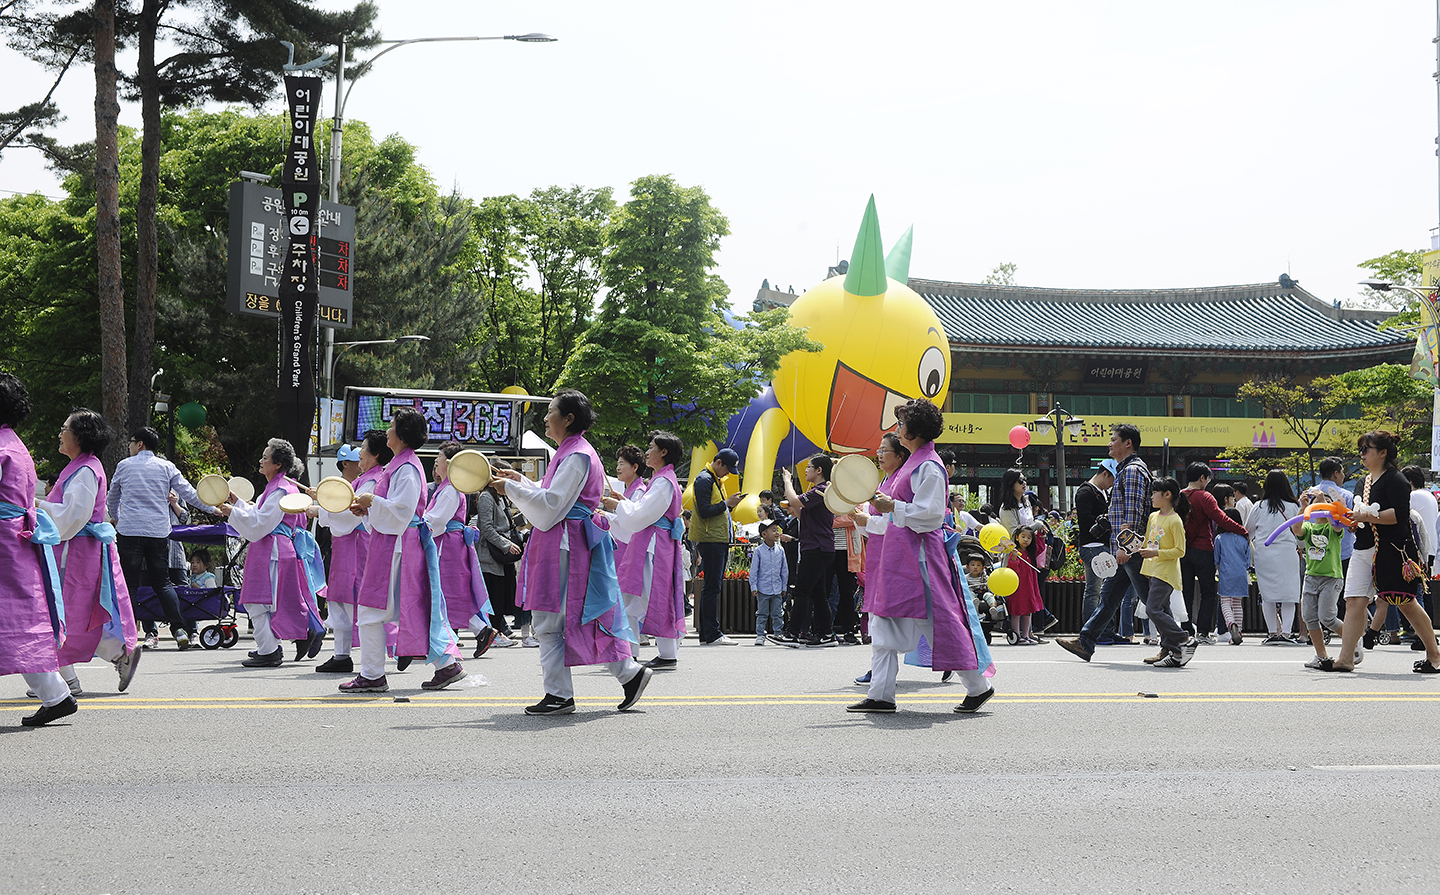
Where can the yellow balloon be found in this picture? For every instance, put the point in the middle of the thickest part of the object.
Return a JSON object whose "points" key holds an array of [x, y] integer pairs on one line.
{"points": [[991, 534], [1003, 582]]}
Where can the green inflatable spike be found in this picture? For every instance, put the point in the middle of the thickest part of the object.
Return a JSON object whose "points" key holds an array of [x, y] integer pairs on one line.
{"points": [[897, 263], [866, 276]]}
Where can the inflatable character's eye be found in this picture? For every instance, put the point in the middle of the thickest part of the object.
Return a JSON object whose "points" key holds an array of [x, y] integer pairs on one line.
{"points": [[932, 371]]}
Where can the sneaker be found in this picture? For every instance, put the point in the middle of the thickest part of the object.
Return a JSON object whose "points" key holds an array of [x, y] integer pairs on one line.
{"points": [[1359, 655], [1170, 661], [125, 666], [635, 688], [1236, 637], [1073, 645], [363, 684], [1211, 639], [1273, 638], [1152, 641], [759, 639], [1370, 634], [972, 704], [74, 686], [152, 641], [47, 713], [337, 665], [850, 640], [502, 642], [530, 643], [1314, 662], [722, 640], [864, 679], [182, 640], [444, 677], [483, 641], [785, 640], [551, 705], [660, 664], [878, 706], [1187, 652], [1155, 659], [1048, 625], [270, 660], [822, 642], [644, 640]]}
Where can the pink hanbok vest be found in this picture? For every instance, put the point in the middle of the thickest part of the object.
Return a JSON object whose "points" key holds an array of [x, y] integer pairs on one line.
{"points": [[651, 568], [27, 639], [273, 568], [874, 544], [412, 597], [347, 554], [633, 491], [539, 587], [461, 578], [82, 559], [920, 581]]}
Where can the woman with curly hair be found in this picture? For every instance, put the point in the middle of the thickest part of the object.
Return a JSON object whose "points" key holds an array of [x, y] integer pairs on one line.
{"points": [[99, 619], [922, 593], [28, 639]]}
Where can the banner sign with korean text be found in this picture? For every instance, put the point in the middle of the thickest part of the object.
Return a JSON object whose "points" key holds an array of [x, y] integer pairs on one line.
{"points": [[481, 420], [299, 275], [1183, 431], [1115, 371], [258, 240]]}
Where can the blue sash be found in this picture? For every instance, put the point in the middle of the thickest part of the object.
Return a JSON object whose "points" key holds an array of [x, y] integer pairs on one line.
{"points": [[602, 590], [309, 553], [104, 532], [439, 618], [45, 536], [472, 537], [676, 527]]}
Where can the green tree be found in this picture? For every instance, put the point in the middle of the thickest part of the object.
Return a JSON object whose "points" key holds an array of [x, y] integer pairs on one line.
{"points": [[1389, 398], [1003, 274], [661, 354], [1400, 266], [1308, 411]]}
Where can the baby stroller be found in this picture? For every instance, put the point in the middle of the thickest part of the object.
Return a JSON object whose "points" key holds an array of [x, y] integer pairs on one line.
{"points": [[200, 604], [989, 607]]}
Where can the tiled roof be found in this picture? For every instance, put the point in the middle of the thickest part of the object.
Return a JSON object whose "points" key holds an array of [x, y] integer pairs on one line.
{"points": [[1262, 318]]}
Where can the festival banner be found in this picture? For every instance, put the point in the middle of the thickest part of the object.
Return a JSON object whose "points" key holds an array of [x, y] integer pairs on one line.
{"points": [[299, 281], [1183, 431]]}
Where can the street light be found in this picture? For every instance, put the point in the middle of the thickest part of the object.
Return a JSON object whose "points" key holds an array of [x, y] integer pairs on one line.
{"points": [[1386, 286], [1071, 424], [398, 340], [342, 97]]}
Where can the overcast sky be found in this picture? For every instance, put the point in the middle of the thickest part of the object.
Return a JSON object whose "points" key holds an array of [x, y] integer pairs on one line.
{"points": [[1093, 144]]}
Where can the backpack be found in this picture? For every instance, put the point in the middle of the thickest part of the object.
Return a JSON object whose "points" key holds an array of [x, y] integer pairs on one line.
{"points": [[1056, 558]]}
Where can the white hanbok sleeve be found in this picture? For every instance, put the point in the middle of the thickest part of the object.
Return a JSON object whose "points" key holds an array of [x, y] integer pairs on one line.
{"points": [[345, 522], [877, 522], [545, 507], [927, 511], [442, 510], [254, 521], [391, 515], [634, 516], [77, 503]]}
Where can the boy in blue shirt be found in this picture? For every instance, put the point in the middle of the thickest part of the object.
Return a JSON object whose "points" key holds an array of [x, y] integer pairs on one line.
{"points": [[769, 575]]}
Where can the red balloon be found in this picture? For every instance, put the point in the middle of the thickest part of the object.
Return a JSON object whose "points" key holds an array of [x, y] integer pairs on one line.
{"points": [[1019, 437]]}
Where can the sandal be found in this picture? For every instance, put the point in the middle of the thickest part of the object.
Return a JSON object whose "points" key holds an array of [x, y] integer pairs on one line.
{"points": [[1328, 664], [1424, 667]]}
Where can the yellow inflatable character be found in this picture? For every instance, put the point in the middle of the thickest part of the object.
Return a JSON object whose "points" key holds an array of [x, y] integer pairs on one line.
{"points": [[883, 346]]}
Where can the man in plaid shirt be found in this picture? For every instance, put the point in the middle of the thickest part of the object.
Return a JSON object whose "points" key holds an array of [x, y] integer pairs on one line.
{"points": [[1129, 510]]}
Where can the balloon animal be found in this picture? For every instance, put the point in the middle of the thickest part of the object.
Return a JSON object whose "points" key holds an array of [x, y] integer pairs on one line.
{"points": [[883, 346]]}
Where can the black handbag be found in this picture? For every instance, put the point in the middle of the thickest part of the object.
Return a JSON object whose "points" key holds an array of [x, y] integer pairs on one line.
{"points": [[503, 556]]}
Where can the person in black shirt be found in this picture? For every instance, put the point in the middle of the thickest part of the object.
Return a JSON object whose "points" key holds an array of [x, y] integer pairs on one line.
{"points": [[1091, 510], [1384, 535]]}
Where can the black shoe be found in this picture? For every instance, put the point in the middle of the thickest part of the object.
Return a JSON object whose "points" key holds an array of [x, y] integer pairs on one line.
{"points": [[403, 662], [972, 704], [1417, 645], [850, 639], [661, 664], [1369, 638], [551, 705], [785, 640], [872, 705], [300, 647], [483, 641], [634, 688], [47, 713], [337, 665], [945, 677], [315, 644], [1050, 624], [272, 660]]}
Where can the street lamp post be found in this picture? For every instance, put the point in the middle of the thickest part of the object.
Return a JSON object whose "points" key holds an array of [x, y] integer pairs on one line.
{"points": [[1063, 422], [342, 97], [398, 340], [1386, 286]]}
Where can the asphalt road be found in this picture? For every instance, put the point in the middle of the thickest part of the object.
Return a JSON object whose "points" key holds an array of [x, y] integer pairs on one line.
{"points": [[740, 772]]}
